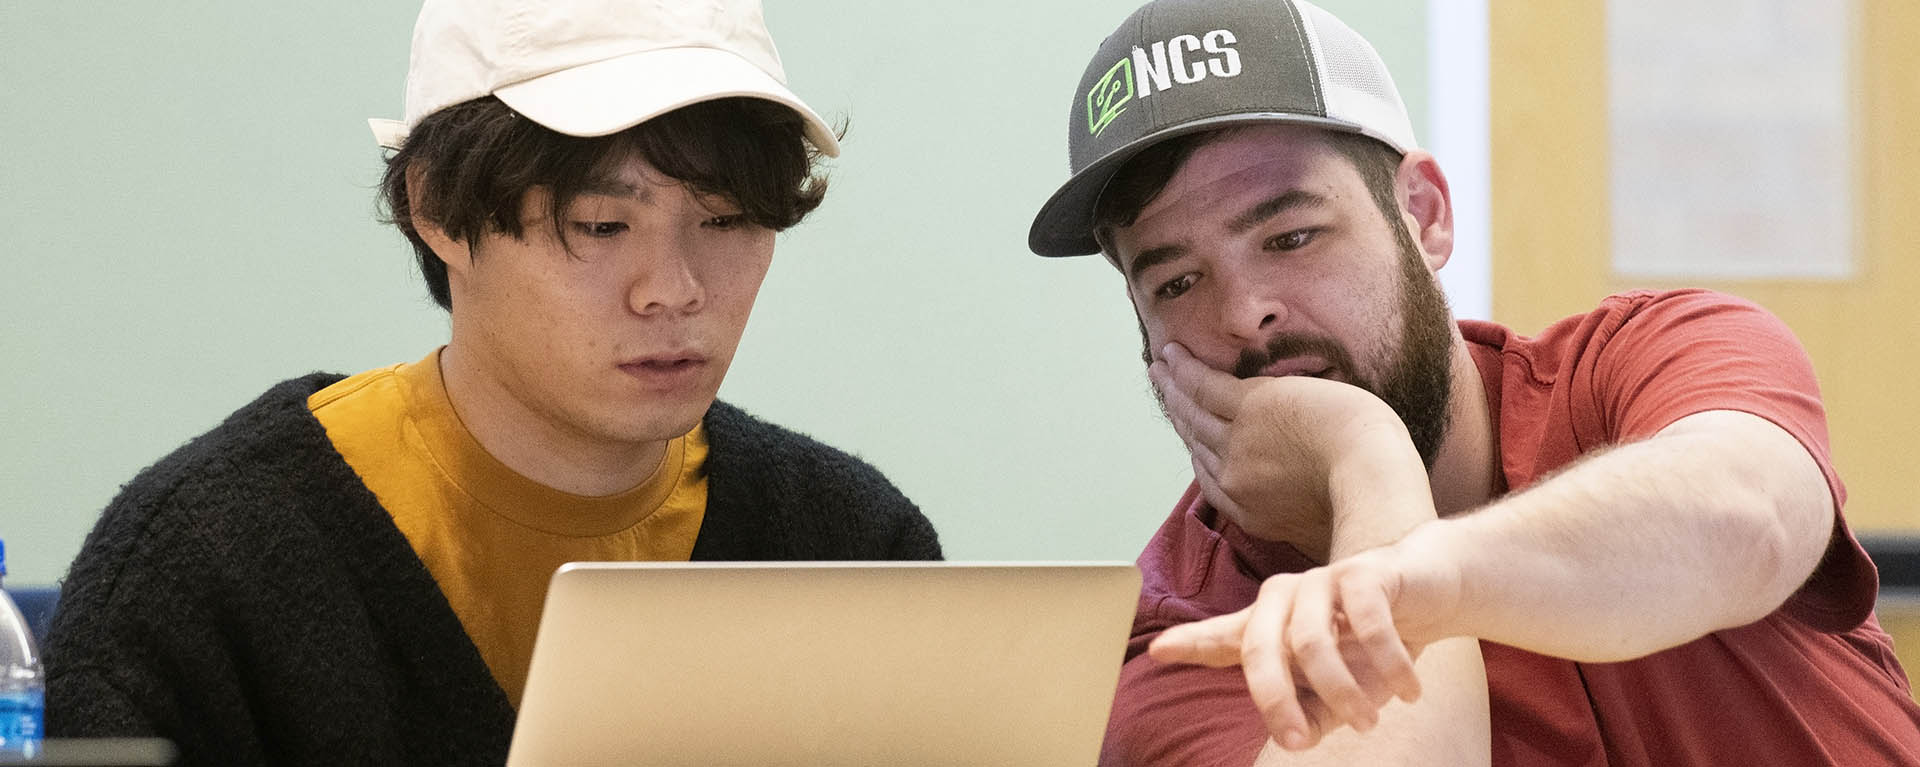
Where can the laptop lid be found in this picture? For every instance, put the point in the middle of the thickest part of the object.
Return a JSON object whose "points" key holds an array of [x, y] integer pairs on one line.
{"points": [[98, 752], [639, 663]]}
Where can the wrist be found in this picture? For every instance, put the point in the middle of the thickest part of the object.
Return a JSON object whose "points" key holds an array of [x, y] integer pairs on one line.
{"points": [[1431, 560]]}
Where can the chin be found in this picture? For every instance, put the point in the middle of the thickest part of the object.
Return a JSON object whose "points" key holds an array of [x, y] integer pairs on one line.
{"points": [[663, 423]]}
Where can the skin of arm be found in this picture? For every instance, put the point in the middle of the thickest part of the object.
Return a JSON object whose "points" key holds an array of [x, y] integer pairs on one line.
{"points": [[1722, 514], [1447, 727]]}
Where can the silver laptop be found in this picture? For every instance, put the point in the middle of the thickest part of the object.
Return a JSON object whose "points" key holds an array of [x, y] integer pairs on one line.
{"points": [[825, 664]]}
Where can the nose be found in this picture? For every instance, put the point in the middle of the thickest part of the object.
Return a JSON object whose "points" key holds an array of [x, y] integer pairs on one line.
{"points": [[667, 281], [1250, 309]]}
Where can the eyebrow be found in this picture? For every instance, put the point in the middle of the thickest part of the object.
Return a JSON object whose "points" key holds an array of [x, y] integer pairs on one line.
{"points": [[1153, 257], [612, 187], [1273, 206], [1254, 216]]}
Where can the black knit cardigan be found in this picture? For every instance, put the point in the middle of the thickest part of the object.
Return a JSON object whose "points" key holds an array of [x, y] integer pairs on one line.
{"points": [[248, 598]]}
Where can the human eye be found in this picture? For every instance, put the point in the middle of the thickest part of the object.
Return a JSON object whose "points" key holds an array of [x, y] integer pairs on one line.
{"points": [[726, 222], [599, 229], [1293, 240], [1175, 287]]}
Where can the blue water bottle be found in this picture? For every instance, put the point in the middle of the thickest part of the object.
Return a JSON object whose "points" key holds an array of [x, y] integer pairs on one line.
{"points": [[23, 688]]}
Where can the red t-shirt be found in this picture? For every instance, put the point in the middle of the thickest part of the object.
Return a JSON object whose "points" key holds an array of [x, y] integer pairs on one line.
{"points": [[1813, 683]]}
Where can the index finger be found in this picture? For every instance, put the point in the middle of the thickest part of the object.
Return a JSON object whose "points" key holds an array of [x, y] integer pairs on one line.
{"points": [[1211, 642], [1199, 427], [1215, 392]]}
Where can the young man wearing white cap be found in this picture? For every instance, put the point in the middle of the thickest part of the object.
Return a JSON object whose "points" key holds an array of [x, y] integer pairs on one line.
{"points": [[1635, 510], [351, 571]]}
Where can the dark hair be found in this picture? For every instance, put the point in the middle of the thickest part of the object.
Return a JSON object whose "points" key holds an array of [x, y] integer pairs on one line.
{"points": [[1142, 178], [480, 158]]}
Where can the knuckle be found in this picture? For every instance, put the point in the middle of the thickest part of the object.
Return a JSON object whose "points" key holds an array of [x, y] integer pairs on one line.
{"points": [[1253, 656], [1310, 644], [1274, 704], [1370, 627]]}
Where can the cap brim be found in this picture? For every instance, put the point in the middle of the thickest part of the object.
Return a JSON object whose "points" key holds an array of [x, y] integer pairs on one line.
{"points": [[615, 94], [1064, 225], [389, 134]]}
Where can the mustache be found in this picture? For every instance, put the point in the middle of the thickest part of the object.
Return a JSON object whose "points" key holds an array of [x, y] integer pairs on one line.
{"points": [[1286, 345]]}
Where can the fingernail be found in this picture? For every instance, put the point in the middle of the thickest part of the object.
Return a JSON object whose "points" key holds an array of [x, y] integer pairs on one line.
{"points": [[1294, 740]]}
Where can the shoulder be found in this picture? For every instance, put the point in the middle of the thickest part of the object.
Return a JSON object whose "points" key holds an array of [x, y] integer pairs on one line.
{"points": [[804, 487], [274, 431], [1642, 323], [1646, 314], [184, 505]]}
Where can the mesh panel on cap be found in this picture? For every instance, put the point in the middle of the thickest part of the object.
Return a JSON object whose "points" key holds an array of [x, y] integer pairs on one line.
{"points": [[1358, 88]]}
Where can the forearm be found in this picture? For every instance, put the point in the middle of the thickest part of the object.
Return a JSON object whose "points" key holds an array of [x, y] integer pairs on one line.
{"points": [[1642, 547], [1377, 495], [1447, 726]]}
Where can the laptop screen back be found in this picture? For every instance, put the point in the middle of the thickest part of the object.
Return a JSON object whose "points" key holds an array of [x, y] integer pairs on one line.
{"points": [[825, 663]]}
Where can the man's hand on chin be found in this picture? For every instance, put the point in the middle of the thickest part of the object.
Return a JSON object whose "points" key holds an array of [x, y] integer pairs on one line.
{"points": [[1320, 464]]}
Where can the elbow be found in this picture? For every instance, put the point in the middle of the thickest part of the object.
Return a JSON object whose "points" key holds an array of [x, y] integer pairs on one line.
{"points": [[1774, 541], [1767, 511]]}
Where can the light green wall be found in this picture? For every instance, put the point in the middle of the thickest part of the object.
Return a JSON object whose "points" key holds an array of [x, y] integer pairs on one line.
{"points": [[189, 217]]}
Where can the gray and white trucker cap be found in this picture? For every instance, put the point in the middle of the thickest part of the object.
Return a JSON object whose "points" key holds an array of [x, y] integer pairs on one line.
{"points": [[1182, 66]]}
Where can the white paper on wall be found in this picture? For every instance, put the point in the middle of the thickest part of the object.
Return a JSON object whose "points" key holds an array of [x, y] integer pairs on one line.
{"points": [[1731, 139]]}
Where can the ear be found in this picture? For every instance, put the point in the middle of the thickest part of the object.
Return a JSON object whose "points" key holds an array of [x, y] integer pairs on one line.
{"points": [[1426, 206], [456, 254]]}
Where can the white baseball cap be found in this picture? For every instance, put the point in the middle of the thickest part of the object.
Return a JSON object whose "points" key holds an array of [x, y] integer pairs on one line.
{"points": [[593, 67]]}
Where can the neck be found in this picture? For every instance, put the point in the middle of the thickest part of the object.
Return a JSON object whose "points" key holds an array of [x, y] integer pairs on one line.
{"points": [[535, 444], [1466, 473]]}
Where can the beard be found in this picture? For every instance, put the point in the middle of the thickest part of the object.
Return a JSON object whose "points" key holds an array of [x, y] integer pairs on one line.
{"points": [[1417, 381]]}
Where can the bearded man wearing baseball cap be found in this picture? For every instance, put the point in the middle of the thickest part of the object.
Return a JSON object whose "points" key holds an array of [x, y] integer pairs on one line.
{"points": [[351, 570], [1635, 512]]}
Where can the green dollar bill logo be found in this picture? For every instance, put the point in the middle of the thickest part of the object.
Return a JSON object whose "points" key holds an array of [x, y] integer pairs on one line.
{"points": [[1109, 97]]}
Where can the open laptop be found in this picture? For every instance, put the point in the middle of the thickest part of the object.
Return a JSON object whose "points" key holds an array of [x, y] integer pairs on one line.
{"points": [[835, 663], [98, 752]]}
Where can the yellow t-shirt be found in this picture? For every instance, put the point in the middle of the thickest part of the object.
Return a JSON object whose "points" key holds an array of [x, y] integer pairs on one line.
{"points": [[490, 536]]}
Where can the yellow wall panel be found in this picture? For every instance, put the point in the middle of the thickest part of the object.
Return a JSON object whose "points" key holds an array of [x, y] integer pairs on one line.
{"points": [[1551, 250]]}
